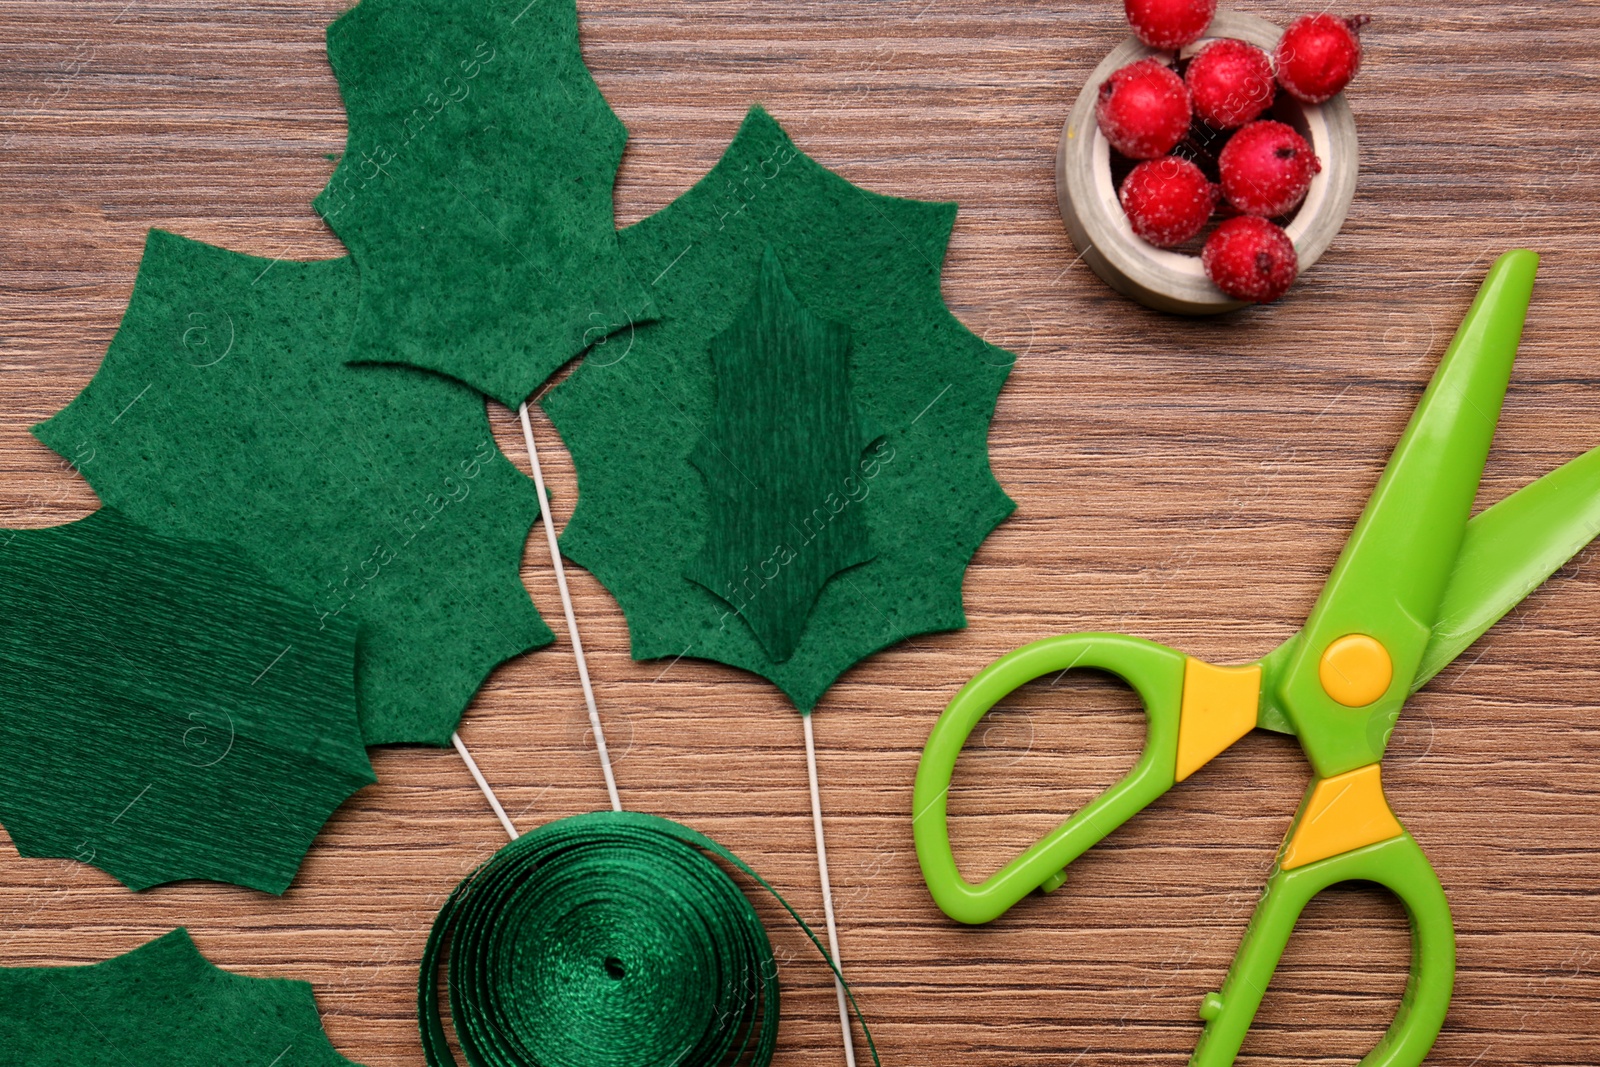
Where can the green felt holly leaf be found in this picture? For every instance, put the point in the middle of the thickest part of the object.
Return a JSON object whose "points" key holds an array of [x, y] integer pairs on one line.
{"points": [[165, 710], [475, 189], [783, 407], [224, 411], [163, 1003], [645, 402]]}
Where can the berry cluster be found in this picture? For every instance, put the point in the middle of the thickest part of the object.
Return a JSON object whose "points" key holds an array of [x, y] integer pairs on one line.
{"points": [[1199, 146]]}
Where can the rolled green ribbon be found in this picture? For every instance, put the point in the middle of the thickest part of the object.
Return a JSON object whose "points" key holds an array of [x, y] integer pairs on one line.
{"points": [[611, 939]]}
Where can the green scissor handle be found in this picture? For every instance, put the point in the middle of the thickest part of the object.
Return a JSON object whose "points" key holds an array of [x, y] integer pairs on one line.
{"points": [[1398, 864], [1156, 674]]}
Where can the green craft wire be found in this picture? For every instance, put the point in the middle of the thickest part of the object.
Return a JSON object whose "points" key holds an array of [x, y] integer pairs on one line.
{"points": [[605, 940]]}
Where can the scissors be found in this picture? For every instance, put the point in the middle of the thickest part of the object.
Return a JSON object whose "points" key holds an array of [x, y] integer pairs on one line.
{"points": [[1419, 581]]}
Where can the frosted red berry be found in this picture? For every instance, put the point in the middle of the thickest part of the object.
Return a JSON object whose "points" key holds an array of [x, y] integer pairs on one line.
{"points": [[1167, 200], [1266, 169], [1251, 259], [1169, 24], [1143, 109], [1230, 83], [1318, 55]]}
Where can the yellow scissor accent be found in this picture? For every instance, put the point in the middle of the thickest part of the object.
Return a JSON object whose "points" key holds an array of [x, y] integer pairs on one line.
{"points": [[1219, 707], [1343, 813], [1356, 670]]}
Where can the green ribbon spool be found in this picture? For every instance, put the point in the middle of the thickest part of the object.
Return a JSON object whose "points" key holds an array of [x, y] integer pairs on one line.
{"points": [[611, 939]]}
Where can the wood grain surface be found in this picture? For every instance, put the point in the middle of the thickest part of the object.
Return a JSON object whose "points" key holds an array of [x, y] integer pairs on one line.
{"points": [[1186, 481]]}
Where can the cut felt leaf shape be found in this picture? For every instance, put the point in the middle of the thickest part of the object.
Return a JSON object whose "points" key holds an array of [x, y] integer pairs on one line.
{"points": [[643, 405], [166, 712], [224, 411], [163, 1003], [475, 190], [783, 437]]}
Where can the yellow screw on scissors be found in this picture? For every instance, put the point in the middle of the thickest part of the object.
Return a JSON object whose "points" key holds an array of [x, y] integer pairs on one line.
{"points": [[1419, 580]]}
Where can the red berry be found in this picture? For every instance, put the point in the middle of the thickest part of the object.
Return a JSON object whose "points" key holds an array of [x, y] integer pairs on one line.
{"points": [[1143, 109], [1231, 83], [1167, 200], [1250, 258], [1266, 169], [1318, 55], [1169, 24]]}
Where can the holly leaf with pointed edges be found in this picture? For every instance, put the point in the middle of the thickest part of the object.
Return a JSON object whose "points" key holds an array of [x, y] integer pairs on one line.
{"points": [[475, 190], [163, 1003], [224, 411], [783, 407], [166, 711], [644, 401]]}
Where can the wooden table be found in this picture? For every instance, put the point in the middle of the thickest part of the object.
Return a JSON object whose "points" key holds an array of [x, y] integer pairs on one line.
{"points": [[1186, 481]]}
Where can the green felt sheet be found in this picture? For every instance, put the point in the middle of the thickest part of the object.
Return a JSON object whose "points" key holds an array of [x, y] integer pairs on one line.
{"points": [[224, 410], [640, 405], [166, 712], [782, 386], [161, 1004], [475, 189]]}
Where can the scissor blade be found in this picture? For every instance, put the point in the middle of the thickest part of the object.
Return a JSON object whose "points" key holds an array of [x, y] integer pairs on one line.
{"points": [[1508, 551], [1391, 578]]}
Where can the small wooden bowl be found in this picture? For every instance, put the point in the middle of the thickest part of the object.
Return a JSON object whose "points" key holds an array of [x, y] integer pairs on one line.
{"points": [[1175, 281]]}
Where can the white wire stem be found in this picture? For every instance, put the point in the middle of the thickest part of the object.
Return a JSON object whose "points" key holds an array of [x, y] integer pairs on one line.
{"points": [[605, 756], [566, 606], [483, 784], [827, 894]]}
